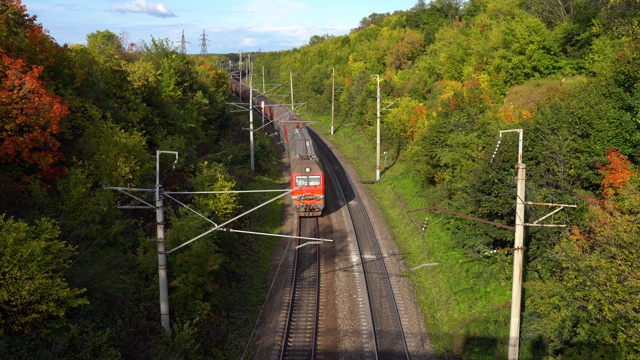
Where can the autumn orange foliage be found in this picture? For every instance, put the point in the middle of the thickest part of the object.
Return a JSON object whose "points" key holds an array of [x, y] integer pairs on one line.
{"points": [[616, 173], [30, 113], [514, 113], [29, 117], [580, 237], [21, 37]]}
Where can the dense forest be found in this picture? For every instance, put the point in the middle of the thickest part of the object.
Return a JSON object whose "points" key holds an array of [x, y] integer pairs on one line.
{"points": [[453, 74], [79, 276]]}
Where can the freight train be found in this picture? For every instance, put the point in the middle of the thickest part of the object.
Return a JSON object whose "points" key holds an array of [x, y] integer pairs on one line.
{"points": [[307, 177]]}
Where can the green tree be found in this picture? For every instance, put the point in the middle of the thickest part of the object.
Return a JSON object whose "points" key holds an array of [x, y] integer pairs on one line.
{"points": [[620, 18], [117, 156], [372, 19], [403, 122], [101, 78], [570, 133], [455, 137], [590, 300], [34, 296], [404, 48], [426, 19]]}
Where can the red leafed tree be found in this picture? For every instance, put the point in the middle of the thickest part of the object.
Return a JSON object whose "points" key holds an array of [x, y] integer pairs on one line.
{"points": [[616, 173], [29, 118], [21, 37]]}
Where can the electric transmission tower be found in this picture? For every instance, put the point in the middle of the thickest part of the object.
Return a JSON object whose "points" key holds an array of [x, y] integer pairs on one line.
{"points": [[183, 44], [203, 44]]}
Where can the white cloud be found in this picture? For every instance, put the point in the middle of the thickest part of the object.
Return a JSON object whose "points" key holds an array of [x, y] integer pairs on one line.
{"points": [[144, 7], [248, 43]]}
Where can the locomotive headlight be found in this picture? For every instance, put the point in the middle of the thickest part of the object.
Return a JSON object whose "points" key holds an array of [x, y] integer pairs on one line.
{"points": [[307, 169]]}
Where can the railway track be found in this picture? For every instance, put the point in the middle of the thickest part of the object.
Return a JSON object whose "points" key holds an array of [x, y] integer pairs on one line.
{"points": [[372, 328], [389, 338], [300, 335]]}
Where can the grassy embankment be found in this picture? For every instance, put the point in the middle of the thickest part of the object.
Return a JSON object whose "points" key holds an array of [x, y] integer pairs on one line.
{"points": [[465, 304]]}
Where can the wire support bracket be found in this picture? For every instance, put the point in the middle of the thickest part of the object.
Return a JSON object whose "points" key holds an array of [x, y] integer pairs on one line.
{"points": [[559, 207]]}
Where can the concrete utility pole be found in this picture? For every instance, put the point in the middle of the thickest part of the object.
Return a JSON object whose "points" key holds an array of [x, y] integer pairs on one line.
{"points": [[264, 91], [377, 128], [162, 252], [518, 250], [249, 70], [518, 255], [240, 70], [333, 94], [291, 82], [162, 261], [251, 114]]}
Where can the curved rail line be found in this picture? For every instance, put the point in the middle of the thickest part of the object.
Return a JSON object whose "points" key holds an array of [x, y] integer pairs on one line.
{"points": [[389, 337], [300, 335]]}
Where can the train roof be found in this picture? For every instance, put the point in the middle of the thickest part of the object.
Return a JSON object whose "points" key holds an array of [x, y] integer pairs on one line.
{"points": [[300, 143]]}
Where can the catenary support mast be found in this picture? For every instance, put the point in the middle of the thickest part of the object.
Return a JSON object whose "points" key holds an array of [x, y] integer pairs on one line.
{"points": [[377, 128]]}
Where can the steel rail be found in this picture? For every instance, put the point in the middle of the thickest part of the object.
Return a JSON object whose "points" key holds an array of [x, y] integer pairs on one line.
{"points": [[382, 304], [301, 329]]}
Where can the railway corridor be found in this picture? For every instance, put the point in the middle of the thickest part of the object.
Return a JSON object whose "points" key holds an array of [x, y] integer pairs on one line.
{"points": [[386, 339], [365, 306], [350, 299]]}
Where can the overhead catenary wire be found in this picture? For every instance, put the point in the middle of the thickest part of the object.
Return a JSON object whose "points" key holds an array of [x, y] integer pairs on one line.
{"points": [[113, 226]]}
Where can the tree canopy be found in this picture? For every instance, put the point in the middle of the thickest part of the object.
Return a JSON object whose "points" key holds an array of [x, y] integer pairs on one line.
{"points": [[451, 73], [458, 72]]}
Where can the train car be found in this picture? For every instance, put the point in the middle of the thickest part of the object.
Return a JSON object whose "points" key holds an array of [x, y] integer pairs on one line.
{"points": [[307, 176]]}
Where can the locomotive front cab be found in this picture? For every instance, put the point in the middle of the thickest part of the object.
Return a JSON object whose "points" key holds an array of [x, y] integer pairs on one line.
{"points": [[308, 191]]}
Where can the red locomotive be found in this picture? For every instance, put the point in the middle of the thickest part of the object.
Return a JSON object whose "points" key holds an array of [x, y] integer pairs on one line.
{"points": [[307, 177]]}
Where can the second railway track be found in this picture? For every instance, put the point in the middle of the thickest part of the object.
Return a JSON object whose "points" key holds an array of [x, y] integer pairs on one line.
{"points": [[389, 338], [355, 310], [300, 333]]}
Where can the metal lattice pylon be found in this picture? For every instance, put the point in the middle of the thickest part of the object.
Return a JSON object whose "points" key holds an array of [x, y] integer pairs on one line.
{"points": [[183, 44], [203, 44]]}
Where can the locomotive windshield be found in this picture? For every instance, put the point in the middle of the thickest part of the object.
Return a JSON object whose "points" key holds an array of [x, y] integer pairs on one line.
{"points": [[313, 180], [302, 180]]}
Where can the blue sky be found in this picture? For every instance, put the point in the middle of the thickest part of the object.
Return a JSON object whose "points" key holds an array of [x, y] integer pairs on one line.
{"points": [[230, 26]]}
